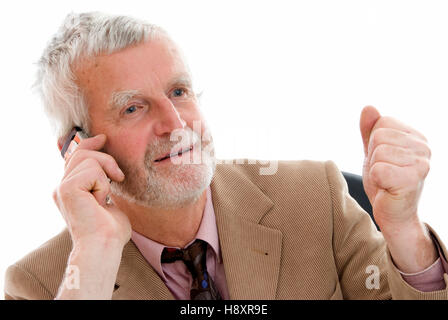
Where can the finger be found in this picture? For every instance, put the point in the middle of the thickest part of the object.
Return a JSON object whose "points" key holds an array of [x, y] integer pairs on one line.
{"points": [[392, 178], [107, 168], [392, 137], [94, 143], [106, 161], [392, 123], [369, 117], [90, 177], [394, 155], [400, 139]]}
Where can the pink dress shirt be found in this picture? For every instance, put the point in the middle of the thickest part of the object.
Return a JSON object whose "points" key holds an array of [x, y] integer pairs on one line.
{"points": [[178, 279], [176, 275]]}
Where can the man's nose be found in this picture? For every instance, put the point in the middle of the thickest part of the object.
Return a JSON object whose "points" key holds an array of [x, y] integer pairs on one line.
{"points": [[169, 118]]}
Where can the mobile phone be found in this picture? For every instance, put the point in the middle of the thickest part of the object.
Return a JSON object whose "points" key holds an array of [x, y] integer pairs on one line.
{"points": [[72, 141]]}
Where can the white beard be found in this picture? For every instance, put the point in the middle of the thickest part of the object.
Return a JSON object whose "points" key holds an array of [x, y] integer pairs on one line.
{"points": [[170, 185]]}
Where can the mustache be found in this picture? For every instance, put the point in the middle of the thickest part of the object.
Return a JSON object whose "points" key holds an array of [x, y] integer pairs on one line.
{"points": [[167, 144]]}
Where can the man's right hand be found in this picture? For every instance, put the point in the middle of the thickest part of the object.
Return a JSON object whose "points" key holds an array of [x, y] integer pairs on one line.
{"points": [[81, 196], [98, 230]]}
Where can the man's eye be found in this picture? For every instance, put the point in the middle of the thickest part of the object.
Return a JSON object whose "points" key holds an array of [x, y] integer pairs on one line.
{"points": [[179, 92], [130, 110]]}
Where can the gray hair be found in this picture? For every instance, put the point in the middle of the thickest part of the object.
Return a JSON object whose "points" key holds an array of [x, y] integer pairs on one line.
{"points": [[80, 36]]}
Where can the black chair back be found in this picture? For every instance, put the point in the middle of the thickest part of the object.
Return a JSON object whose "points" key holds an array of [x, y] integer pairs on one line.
{"points": [[356, 190]]}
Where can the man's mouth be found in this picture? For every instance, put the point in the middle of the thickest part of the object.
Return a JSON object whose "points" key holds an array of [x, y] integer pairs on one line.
{"points": [[174, 154]]}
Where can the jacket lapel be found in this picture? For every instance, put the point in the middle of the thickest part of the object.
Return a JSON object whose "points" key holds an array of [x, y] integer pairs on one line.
{"points": [[136, 279], [251, 252]]}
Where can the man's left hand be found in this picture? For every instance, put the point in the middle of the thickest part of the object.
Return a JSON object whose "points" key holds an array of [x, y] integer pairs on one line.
{"points": [[395, 167]]}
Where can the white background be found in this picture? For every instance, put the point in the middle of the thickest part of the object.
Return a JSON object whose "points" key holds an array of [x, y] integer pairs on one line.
{"points": [[281, 80]]}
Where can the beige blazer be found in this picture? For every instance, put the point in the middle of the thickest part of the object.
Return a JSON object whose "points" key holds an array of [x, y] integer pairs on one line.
{"points": [[296, 234]]}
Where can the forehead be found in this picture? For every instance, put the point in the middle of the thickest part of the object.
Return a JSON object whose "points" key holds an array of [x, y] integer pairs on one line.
{"points": [[147, 65]]}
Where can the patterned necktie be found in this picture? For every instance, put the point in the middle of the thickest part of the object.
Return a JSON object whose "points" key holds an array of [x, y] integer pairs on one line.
{"points": [[194, 257]]}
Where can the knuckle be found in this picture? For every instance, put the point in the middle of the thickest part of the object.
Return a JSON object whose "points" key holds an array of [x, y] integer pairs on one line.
{"points": [[55, 195], [374, 157], [427, 151], [377, 172], [90, 163], [422, 166], [95, 174], [63, 191], [96, 171], [425, 165], [423, 152], [106, 188], [79, 152], [375, 138], [378, 137], [422, 136], [378, 153], [76, 154], [418, 161]]}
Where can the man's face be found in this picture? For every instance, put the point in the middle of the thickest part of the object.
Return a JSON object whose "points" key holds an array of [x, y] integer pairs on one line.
{"points": [[139, 97]]}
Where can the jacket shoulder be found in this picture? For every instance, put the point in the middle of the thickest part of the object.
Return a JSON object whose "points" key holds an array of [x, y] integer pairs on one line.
{"points": [[297, 175], [39, 274]]}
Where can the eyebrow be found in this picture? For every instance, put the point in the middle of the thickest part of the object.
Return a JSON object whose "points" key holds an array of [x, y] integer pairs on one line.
{"points": [[121, 98], [183, 79]]}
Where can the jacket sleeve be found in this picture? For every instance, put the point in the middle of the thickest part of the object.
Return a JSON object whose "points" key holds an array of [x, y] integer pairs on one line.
{"points": [[365, 267], [22, 285]]}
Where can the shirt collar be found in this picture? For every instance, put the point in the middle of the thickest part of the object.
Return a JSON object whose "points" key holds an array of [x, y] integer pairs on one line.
{"points": [[208, 232]]}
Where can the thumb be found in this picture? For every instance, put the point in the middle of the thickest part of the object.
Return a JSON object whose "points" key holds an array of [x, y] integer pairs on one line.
{"points": [[369, 116]]}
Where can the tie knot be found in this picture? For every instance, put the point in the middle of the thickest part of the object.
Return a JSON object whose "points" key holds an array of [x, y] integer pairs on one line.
{"points": [[194, 253]]}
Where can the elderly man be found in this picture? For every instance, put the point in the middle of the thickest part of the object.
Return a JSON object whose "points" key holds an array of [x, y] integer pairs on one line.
{"points": [[147, 220]]}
